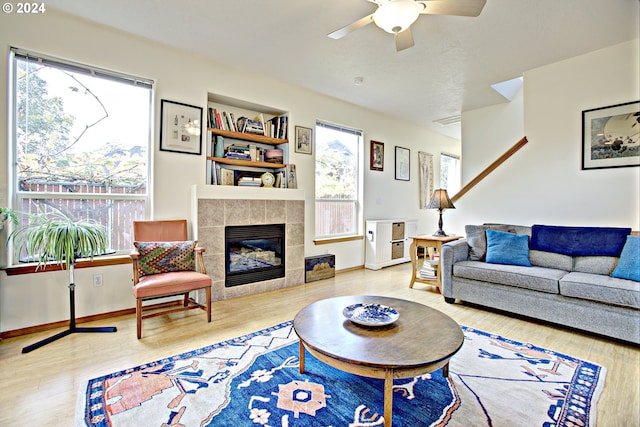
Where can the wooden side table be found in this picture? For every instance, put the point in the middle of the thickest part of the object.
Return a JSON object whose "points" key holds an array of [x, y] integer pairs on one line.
{"points": [[431, 243]]}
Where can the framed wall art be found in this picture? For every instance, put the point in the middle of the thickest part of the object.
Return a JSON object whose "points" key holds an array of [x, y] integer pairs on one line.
{"points": [[180, 127], [304, 140], [610, 136], [425, 163], [376, 161], [402, 163]]}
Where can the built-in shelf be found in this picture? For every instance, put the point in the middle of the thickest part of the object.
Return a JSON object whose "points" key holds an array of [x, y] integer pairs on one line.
{"points": [[250, 163], [249, 137]]}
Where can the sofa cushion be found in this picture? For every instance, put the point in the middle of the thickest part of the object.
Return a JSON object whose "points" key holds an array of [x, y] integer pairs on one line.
{"points": [[579, 241], [594, 264], [629, 265], [507, 248], [596, 287], [534, 278], [477, 240], [551, 260]]}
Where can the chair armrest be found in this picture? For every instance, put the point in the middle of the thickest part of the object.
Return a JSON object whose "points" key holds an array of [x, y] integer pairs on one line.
{"points": [[200, 249], [200, 261], [452, 252], [134, 255]]}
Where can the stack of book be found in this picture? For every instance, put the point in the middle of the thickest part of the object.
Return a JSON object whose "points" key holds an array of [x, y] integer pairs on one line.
{"points": [[240, 152], [429, 269], [247, 181]]}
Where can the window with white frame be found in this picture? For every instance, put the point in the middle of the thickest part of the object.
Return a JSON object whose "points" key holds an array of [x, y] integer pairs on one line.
{"points": [[450, 173], [338, 179], [81, 142]]}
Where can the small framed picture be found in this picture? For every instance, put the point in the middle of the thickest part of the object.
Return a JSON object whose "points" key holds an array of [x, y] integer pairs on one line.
{"points": [[610, 136], [376, 161], [180, 127], [402, 163], [304, 140]]}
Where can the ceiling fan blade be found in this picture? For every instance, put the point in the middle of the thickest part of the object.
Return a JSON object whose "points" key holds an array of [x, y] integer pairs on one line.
{"points": [[404, 40], [453, 7], [338, 34]]}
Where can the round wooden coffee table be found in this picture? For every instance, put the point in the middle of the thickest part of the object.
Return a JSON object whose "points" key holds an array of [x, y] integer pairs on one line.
{"points": [[422, 340]]}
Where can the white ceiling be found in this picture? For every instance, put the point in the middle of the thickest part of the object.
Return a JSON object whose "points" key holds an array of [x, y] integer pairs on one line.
{"points": [[450, 69]]}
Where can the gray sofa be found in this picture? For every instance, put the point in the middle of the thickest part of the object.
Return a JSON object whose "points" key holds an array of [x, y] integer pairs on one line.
{"points": [[571, 290]]}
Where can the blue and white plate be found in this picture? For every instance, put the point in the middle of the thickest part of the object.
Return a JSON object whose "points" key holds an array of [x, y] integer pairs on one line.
{"points": [[371, 314]]}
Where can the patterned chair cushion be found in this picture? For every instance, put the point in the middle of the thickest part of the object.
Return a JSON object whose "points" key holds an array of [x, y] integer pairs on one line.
{"points": [[165, 257]]}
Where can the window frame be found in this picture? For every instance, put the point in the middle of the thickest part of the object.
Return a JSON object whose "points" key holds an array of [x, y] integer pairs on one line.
{"points": [[359, 191], [16, 197], [459, 172]]}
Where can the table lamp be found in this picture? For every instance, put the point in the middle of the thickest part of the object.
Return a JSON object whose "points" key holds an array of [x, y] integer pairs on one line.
{"points": [[440, 201]]}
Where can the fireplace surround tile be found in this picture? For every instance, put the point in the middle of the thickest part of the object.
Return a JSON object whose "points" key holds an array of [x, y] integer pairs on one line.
{"points": [[217, 208]]}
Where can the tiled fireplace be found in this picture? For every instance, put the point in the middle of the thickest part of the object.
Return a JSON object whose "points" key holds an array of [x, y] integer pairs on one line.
{"points": [[216, 207]]}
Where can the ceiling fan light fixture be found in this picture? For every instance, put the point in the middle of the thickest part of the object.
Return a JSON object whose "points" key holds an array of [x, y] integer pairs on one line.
{"points": [[396, 16]]}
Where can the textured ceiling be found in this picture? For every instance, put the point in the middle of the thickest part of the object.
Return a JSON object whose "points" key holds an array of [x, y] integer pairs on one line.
{"points": [[450, 69]]}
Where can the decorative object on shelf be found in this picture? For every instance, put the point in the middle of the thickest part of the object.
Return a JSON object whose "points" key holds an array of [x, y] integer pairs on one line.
{"points": [[376, 160], [610, 136], [371, 314], [402, 163], [304, 140], [273, 155], [440, 201], [425, 163], [181, 127], [292, 180], [268, 180], [54, 237]]}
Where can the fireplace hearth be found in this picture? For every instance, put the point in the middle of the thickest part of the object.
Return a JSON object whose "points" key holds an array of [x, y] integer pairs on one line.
{"points": [[254, 253]]}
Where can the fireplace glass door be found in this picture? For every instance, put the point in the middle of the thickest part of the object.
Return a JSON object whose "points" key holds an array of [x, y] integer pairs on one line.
{"points": [[254, 253]]}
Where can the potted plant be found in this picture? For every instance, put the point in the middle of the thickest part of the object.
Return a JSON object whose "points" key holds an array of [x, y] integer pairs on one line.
{"points": [[7, 215], [55, 237]]}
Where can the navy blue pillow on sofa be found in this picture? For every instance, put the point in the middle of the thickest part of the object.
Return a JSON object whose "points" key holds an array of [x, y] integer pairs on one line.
{"points": [[507, 248]]}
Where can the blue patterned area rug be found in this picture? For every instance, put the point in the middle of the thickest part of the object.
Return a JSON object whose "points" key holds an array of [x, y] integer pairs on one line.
{"points": [[254, 380]]}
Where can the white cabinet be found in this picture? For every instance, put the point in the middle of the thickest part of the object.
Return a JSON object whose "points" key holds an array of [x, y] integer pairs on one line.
{"points": [[388, 242]]}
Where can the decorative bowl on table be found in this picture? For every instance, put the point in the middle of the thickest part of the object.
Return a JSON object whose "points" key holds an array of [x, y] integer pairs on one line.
{"points": [[371, 314]]}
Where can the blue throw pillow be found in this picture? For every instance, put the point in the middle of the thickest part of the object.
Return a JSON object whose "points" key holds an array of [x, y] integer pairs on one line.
{"points": [[507, 248], [629, 264]]}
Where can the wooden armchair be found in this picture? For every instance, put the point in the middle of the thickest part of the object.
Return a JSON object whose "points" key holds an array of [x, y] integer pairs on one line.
{"points": [[164, 264]]}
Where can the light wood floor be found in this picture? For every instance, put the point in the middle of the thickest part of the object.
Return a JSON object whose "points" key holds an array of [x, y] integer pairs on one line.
{"points": [[40, 388]]}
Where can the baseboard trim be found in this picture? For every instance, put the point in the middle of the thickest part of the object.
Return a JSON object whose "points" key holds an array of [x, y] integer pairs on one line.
{"points": [[86, 319]]}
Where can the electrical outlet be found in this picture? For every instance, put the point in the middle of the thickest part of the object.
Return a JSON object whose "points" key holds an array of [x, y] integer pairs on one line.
{"points": [[97, 280]]}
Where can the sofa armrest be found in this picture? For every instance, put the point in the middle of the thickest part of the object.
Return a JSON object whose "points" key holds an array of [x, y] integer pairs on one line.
{"points": [[452, 252]]}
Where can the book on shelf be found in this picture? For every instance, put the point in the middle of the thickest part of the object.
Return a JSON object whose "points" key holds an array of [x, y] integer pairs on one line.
{"points": [[248, 181], [226, 176]]}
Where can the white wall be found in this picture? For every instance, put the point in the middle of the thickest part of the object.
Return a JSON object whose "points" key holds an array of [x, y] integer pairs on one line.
{"points": [[40, 298], [543, 182]]}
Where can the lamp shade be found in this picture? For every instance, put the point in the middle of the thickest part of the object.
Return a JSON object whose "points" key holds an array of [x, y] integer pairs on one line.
{"points": [[397, 15], [440, 200]]}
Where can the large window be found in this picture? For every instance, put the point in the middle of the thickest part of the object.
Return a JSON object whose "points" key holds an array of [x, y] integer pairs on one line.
{"points": [[337, 179], [450, 173], [81, 139]]}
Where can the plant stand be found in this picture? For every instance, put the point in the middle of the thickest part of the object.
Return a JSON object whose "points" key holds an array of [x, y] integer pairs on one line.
{"points": [[72, 321]]}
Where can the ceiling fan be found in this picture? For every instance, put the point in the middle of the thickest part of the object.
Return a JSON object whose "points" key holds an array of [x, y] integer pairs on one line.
{"points": [[396, 16]]}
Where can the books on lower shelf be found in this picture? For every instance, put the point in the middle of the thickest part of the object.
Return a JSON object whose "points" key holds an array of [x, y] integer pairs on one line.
{"points": [[429, 269]]}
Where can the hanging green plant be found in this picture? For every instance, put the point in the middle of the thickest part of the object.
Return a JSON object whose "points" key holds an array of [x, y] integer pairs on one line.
{"points": [[8, 215], [54, 237]]}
